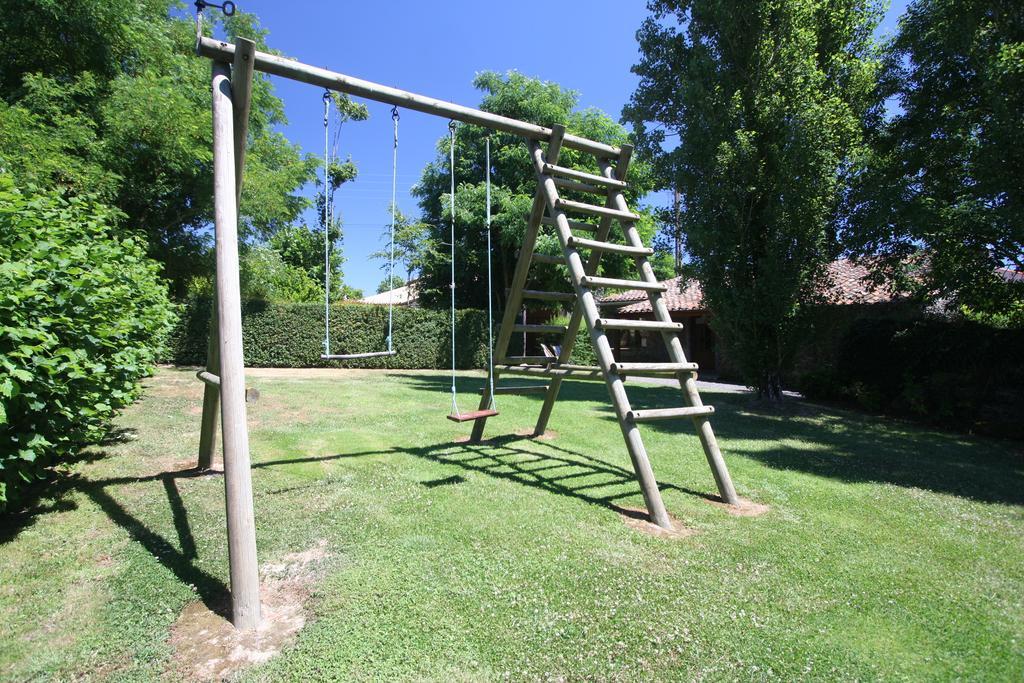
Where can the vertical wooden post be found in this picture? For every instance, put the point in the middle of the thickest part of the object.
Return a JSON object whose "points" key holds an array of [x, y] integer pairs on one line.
{"points": [[241, 522], [211, 394], [241, 87]]}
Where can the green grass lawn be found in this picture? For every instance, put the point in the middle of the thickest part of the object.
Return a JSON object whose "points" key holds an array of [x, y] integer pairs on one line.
{"points": [[889, 551]]}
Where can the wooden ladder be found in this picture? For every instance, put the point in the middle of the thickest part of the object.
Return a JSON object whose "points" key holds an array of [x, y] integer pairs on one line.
{"points": [[551, 209]]}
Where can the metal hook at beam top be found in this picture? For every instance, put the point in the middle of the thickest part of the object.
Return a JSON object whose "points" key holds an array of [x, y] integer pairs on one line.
{"points": [[228, 8]]}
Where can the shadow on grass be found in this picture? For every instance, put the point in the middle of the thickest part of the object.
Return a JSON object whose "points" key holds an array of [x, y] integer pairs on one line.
{"points": [[834, 443], [545, 466], [179, 560], [841, 445]]}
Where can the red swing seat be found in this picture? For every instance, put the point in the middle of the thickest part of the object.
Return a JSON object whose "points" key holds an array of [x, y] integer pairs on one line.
{"points": [[473, 415]]}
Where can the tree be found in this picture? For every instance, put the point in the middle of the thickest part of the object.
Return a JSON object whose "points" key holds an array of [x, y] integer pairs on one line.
{"points": [[769, 100], [513, 187], [412, 242], [942, 204], [390, 282], [266, 276], [109, 99]]}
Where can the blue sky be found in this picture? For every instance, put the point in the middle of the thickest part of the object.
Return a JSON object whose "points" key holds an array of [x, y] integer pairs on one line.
{"points": [[436, 49]]}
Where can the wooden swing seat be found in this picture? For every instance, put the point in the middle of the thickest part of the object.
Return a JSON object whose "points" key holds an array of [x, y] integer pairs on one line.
{"points": [[473, 415]]}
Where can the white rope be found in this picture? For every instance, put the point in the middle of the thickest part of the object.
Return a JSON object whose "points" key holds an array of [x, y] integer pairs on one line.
{"points": [[451, 197], [394, 213], [490, 286], [327, 226]]}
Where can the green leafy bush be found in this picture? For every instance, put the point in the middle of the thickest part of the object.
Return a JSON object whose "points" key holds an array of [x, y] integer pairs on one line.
{"points": [[81, 316], [958, 374]]}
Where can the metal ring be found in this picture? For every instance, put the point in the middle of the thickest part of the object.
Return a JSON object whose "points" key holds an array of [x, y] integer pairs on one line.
{"points": [[228, 8], [327, 96], [451, 127], [394, 113]]}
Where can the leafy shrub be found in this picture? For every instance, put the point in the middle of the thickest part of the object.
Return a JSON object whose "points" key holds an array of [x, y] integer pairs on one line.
{"points": [[81, 315], [958, 374]]}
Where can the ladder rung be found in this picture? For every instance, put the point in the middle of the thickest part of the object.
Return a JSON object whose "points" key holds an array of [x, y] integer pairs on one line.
{"points": [[653, 368], [527, 389], [528, 360], [540, 329], [573, 225], [552, 169], [569, 205], [609, 247], [548, 296], [625, 324], [575, 371], [594, 281], [668, 413], [578, 186]]}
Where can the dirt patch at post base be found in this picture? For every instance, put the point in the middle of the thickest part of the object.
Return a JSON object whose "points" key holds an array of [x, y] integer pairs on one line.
{"points": [[207, 647], [638, 519], [745, 508]]}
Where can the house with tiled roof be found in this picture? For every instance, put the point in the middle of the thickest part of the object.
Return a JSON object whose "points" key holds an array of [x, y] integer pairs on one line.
{"points": [[848, 286]]}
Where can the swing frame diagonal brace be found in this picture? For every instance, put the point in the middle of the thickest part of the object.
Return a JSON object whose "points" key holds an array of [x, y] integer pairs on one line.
{"points": [[602, 349], [241, 95], [687, 380], [569, 340], [522, 270]]}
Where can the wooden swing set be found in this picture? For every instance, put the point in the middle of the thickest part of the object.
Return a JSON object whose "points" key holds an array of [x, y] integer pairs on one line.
{"points": [[233, 66]]}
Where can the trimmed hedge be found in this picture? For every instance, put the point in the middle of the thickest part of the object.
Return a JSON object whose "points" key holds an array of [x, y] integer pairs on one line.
{"points": [[290, 335], [959, 375], [82, 312]]}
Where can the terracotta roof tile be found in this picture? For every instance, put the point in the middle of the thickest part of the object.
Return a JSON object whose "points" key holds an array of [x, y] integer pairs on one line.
{"points": [[1010, 275], [848, 286]]}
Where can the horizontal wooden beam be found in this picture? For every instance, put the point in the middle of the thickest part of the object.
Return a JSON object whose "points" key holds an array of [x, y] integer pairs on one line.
{"points": [[573, 225], [539, 329], [610, 247], [252, 394], [539, 295], [589, 178], [594, 210], [549, 371], [275, 65], [669, 413], [628, 324], [615, 283], [653, 368]]}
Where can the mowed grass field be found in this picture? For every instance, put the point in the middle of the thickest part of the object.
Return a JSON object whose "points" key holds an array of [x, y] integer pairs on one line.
{"points": [[889, 551]]}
